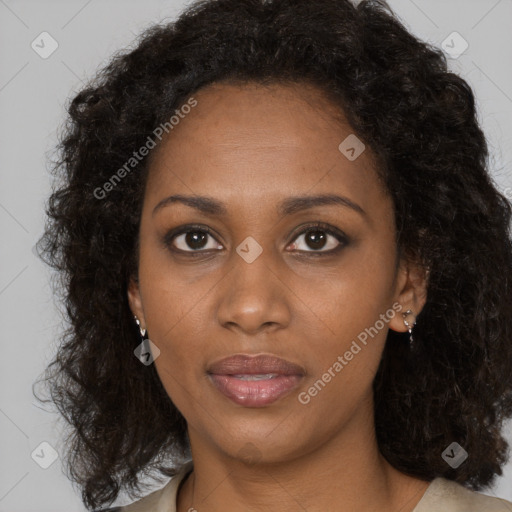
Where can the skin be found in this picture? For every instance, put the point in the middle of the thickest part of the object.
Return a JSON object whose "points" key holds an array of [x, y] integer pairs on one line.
{"points": [[250, 147]]}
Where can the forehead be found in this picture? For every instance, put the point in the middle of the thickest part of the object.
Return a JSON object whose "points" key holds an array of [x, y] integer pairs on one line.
{"points": [[257, 142]]}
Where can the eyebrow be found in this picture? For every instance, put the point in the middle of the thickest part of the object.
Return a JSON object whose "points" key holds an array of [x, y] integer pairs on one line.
{"points": [[290, 205]]}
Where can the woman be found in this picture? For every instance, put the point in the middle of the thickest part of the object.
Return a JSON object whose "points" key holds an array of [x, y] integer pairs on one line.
{"points": [[286, 269]]}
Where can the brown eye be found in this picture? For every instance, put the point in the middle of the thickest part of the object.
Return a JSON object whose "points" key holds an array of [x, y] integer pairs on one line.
{"points": [[196, 239], [192, 240], [319, 238], [315, 239]]}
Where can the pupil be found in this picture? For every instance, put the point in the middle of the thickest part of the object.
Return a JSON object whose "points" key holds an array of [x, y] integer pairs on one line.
{"points": [[315, 239], [192, 238]]}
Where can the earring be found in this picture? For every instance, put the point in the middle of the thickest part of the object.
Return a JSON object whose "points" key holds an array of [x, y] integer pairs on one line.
{"points": [[409, 325], [142, 331]]}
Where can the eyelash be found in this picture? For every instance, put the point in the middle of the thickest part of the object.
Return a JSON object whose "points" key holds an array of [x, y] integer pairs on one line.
{"points": [[169, 237]]}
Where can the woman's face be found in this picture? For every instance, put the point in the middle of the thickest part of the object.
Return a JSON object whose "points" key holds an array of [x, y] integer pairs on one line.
{"points": [[264, 281]]}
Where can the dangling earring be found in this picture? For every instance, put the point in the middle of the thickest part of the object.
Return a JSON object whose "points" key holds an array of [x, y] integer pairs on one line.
{"points": [[409, 325], [142, 331], [147, 351]]}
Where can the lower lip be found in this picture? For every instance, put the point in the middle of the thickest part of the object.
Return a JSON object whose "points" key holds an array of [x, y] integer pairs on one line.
{"points": [[255, 393]]}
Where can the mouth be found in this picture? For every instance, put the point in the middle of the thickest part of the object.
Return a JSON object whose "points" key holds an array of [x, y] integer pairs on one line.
{"points": [[255, 381]]}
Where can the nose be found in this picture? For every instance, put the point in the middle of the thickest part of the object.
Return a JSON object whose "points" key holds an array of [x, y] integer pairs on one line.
{"points": [[253, 297]]}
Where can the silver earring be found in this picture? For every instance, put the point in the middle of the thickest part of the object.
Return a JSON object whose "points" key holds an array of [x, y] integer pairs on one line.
{"points": [[142, 331], [409, 325]]}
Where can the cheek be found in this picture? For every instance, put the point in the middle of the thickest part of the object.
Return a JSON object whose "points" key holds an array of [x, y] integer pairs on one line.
{"points": [[343, 362], [167, 289], [173, 315], [353, 307], [353, 294], [170, 306], [176, 323]]}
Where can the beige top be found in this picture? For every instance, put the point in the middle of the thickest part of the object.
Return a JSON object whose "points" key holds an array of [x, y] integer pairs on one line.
{"points": [[442, 495]]}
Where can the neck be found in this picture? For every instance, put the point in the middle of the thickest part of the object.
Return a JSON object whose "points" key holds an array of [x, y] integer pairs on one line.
{"points": [[348, 470]]}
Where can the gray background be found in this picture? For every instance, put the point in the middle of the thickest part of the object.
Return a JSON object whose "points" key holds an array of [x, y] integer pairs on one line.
{"points": [[33, 92]]}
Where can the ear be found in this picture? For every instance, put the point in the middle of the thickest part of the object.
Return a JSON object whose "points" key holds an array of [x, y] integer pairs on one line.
{"points": [[135, 300], [410, 292]]}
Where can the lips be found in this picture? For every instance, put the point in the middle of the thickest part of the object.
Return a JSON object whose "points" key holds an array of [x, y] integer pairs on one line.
{"points": [[255, 381], [242, 364]]}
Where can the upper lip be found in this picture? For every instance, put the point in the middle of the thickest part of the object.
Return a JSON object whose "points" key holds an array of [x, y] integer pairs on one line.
{"points": [[243, 364]]}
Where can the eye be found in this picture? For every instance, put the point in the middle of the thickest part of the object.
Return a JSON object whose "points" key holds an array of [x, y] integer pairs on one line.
{"points": [[191, 239], [317, 238], [320, 238]]}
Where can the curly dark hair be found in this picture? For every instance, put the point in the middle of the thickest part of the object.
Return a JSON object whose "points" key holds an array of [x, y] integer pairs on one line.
{"points": [[418, 118]]}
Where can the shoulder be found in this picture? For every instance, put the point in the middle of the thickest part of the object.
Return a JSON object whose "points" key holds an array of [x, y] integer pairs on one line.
{"points": [[161, 500], [444, 495]]}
